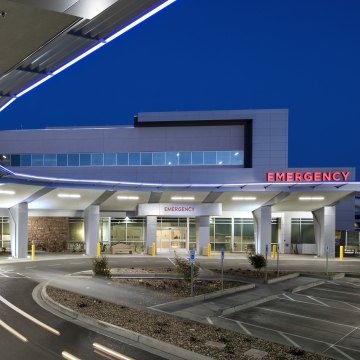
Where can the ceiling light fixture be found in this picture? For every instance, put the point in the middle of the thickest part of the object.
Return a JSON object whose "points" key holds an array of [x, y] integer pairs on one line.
{"points": [[69, 196], [127, 197], [311, 198], [243, 198], [7, 192], [182, 198]]}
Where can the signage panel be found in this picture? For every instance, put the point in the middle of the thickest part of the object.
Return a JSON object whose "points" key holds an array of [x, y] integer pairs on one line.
{"points": [[186, 210], [308, 176]]}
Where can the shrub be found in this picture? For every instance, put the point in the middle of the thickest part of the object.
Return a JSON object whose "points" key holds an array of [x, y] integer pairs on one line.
{"points": [[101, 266], [258, 261], [183, 267]]}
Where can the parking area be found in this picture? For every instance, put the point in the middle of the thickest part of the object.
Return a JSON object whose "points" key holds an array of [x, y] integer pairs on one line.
{"points": [[324, 319]]}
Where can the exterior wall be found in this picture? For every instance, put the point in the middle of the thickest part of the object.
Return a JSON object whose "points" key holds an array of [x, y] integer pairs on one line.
{"points": [[48, 233]]}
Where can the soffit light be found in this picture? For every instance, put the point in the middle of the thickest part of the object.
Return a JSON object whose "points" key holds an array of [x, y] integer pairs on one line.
{"points": [[69, 196], [101, 43], [182, 198], [243, 198], [7, 192], [127, 197], [311, 198]]}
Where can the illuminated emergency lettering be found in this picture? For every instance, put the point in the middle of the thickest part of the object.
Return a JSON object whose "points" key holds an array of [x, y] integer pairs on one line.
{"points": [[307, 176]]}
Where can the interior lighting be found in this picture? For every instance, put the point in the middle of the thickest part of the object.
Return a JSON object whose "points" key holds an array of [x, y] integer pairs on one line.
{"points": [[139, 20], [243, 198], [127, 197], [237, 153], [311, 198], [7, 192], [182, 198], [69, 196]]}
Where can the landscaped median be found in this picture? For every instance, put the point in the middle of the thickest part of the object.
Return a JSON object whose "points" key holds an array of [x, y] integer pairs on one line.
{"points": [[183, 338]]}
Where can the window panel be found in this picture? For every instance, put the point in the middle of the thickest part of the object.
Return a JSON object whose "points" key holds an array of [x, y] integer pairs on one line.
{"points": [[61, 160], [37, 159], [73, 159], [110, 159], [122, 158], [25, 160], [185, 158], [172, 158], [85, 160], [146, 158], [210, 158], [97, 159], [49, 159], [134, 158], [197, 157], [159, 158]]}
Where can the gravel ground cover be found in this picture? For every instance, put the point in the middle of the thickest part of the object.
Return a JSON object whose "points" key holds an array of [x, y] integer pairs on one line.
{"points": [[208, 340]]}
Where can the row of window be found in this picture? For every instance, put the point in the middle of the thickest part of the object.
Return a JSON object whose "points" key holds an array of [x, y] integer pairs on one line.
{"points": [[128, 159]]}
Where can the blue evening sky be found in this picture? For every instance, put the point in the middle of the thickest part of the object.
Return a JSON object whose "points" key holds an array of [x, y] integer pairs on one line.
{"points": [[303, 55]]}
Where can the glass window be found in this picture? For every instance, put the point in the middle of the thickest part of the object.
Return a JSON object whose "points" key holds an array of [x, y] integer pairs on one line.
{"points": [[25, 160], [49, 159], [197, 157], [134, 158], [61, 160], [85, 160], [122, 158], [97, 159], [158, 158], [73, 159], [172, 158], [15, 160], [210, 158], [237, 158], [223, 158], [37, 159], [110, 159], [146, 158], [185, 158]]}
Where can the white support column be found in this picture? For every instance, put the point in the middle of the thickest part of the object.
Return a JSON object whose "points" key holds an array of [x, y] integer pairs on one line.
{"points": [[287, 232], [262, 222], [19, 230], [202, 233], [151, 228], [324, 227], [91, 224]]}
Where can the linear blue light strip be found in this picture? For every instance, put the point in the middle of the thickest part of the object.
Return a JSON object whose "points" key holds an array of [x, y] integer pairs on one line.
{"points": [[89, 51]]}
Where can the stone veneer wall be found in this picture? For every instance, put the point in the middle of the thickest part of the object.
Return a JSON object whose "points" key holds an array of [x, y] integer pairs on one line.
{"points": [[48, 233]]}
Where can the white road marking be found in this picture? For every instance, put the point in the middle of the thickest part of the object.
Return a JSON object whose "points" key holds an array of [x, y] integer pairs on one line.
{"points": [[30, 267], [289, 297], [344, 302], [29, 317], [243, 327], [68, 356], [352, 284], [110, 352], [288, 339], [13, 331], [76, 263], [171, 261], [4, 275], [343, 353], [209, 321], [55, 265], [337, 291], [306, 317], [320, 302]]}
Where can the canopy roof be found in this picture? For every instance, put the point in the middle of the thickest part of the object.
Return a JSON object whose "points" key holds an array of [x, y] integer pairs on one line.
{"points": [[40, 38]]}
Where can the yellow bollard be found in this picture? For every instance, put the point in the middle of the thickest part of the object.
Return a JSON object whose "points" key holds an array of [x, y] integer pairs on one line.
{"points": [[33, 252], [209, 250], [273, 253], [98, 250], [153, 249], [341, 253]]}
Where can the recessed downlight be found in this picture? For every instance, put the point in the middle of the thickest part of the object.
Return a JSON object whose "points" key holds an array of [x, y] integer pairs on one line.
{"points": [[311, 198], [120, 197], [182, 198], [240, 198], [69, 196], [7, 192]]}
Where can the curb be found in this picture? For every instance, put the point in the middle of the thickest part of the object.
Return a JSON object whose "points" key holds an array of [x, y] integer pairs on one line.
{"points": [[125, 333], [210, 296], [282, 278], [307, 286], [247, 305], [337, 276]]}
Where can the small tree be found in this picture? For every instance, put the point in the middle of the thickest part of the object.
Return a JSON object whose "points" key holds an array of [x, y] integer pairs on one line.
{"points": [[183, 267], [101, 266], [257, 261]]}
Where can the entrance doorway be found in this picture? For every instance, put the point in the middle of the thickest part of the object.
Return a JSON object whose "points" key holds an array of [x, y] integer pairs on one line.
{"points": [[171, 239]]}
